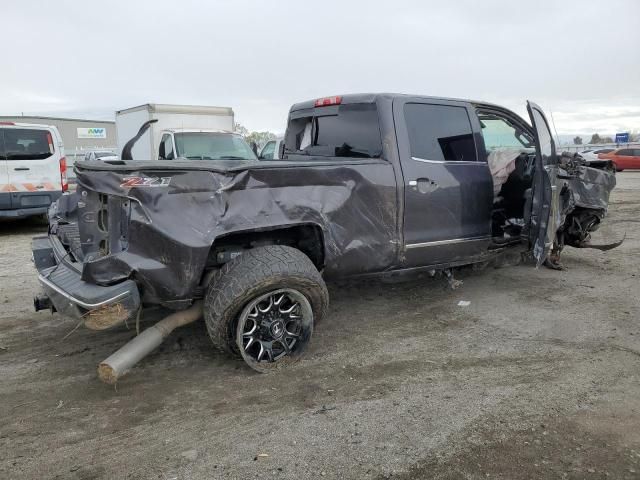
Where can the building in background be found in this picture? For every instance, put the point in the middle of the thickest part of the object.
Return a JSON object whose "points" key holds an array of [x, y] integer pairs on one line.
{"points": [[77, 134]]}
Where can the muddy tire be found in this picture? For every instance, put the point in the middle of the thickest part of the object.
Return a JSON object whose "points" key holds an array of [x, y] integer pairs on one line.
{"points": [[273, 295]]}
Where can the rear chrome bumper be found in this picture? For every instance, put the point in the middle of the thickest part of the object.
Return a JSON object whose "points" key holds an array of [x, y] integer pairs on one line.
{"points": [[70, 295]]}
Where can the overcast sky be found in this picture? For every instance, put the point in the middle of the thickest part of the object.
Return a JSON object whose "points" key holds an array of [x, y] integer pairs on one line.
{"points": [[579, 59]]}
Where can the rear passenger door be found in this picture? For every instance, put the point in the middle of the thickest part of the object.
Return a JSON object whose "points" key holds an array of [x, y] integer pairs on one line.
{"points": [[5, 191], [448, 189]]}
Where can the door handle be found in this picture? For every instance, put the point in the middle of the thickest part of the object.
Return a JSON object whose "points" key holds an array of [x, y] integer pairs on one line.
{"points": [[423, 185], [18, 169]]}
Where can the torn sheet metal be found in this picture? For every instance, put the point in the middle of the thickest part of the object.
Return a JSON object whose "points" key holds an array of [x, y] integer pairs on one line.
{"points": [[591, 187], [584, 199]]}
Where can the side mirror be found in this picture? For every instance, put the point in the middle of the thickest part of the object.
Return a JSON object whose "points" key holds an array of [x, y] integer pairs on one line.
{"points": [[254, 147]]}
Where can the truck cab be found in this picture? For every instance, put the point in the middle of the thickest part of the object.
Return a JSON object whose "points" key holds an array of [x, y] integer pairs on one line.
{"points": [[203, 145], [197, 125]]}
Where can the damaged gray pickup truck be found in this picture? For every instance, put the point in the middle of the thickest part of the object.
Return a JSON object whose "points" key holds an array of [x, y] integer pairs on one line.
{"points": [[368, 184]]}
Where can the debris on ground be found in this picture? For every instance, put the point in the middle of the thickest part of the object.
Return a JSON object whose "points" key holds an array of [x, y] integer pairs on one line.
{"points": [[190, 454], [324, 409]]}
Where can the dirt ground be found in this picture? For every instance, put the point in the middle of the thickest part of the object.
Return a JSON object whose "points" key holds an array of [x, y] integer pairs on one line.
{"points": [[537, 378]]}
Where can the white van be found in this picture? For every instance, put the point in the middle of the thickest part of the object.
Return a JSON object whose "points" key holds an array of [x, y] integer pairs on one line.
{"points": [[33, 169]]}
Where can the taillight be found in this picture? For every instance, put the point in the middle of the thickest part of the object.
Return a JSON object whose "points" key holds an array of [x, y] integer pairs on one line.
{"points": [[326, 101], [63, 174], [50, 142], [7, 123]]}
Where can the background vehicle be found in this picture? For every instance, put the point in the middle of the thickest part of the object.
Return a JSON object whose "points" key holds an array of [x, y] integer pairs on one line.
{"points": [[271, 149], [623, 158], [100, 155], [254, 240], [33, 169], [590, 155], [203, 145], [169, 120]]}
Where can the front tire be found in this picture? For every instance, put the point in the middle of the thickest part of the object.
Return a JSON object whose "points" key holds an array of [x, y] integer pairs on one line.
{"points": [[263, 305]]}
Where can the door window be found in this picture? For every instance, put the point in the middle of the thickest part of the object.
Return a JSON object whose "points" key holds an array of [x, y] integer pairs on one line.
{"points": [[544, 136], [440, 132], [166, 148], [498, 133], [625, 153], [268, 151], [28, 144]]}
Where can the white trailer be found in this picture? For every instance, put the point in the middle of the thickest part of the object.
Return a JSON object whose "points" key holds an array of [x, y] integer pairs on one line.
{"points": [[170, 119]]}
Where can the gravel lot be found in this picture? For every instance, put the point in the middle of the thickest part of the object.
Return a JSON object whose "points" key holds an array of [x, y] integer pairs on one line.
{"points": [[537, 378]]}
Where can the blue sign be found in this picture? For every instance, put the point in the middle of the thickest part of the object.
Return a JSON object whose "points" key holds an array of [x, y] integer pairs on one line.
{"points": [[622, 138]]}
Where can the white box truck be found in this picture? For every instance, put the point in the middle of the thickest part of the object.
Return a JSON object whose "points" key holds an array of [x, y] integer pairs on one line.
{"points": [[159, 141]]}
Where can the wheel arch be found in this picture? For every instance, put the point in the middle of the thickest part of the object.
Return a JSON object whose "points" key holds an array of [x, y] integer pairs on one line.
{"points": [[258, 271], [308, 237]]}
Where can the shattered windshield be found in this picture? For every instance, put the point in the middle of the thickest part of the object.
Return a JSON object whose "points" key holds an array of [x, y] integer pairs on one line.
{"points": [[212, 146]]}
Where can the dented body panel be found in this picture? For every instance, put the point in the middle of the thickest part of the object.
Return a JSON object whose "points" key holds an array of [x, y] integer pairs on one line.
{"points": [[172, 226]]}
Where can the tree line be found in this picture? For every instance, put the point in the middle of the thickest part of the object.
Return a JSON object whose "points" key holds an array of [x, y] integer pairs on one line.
{"points": [[259, 138], [596, 139]]}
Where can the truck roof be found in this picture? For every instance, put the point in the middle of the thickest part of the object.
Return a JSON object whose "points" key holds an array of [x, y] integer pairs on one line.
{"points": [[373, 97], [26, 125], [189, 109]]}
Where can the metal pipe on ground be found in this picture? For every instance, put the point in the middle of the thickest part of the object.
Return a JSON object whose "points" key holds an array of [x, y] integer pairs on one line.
{"points": [[120, 362]]}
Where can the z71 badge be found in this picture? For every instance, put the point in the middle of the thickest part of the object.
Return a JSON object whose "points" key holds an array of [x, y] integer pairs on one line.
{"points": [[128, 182]]}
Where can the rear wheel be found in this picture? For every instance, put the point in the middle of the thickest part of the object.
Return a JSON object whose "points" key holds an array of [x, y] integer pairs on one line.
{"points": [[263, 304]]}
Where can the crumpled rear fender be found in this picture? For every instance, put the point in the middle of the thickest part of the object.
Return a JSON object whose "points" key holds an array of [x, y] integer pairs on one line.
{"points": [[175, 216]]}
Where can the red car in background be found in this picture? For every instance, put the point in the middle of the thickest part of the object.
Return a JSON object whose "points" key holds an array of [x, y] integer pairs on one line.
{"points": [[623, 158]]}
